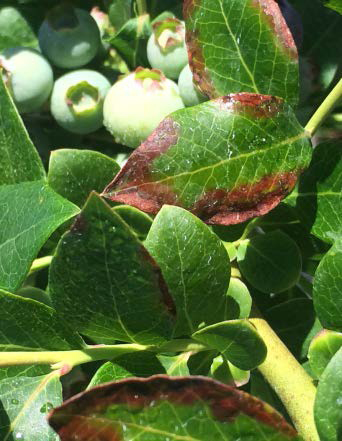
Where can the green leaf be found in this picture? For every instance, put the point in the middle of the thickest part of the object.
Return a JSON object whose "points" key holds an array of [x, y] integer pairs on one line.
{"points": [[237, 340], [195, 266], [270, 262], [15, 30], [24, 405], [138, 221], [246, 153], [328, 403], [336, 5], [140, 364], [239, 300], [161, 408], [228, 44], [292, 321], [328, 287], [176, 366], [318, 199], [120, 11], [131, 40], [104, 282], [75, 173], [30, 213], [47, 332], [200, 362], [19, 158], [322, 348], [224, 371]]}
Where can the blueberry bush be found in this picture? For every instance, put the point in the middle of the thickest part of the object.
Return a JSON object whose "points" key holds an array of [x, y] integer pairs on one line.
{"points": [[170, 220]]}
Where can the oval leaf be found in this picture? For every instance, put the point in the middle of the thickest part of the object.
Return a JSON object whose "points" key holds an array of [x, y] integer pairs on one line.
{"points": [[228, 43], [226, 160], [322, 348], [160, 408], [104, 282], [270, 262], [237, 340], [328, 403], [328, 287], [195, 266]]}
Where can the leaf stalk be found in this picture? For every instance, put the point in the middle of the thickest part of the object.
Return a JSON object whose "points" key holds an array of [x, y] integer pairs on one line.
{"points": [[324, 109], [40, 263]]}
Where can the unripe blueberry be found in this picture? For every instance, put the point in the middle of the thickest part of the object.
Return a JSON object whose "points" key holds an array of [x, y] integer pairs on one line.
{"points": [[190, 94], [136, 104], [166, 48], [28, 76], [69, 37], [77, 100]]}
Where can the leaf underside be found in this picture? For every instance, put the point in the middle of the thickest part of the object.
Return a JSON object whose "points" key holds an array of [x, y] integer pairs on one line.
{"points": [[161, 407], [226, 160]]}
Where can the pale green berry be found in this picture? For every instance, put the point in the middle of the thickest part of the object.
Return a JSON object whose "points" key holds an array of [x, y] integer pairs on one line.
{"points": [[190, 94], [77, 100], [136, 104], [69, 37], [29, 77], [166, 49]]}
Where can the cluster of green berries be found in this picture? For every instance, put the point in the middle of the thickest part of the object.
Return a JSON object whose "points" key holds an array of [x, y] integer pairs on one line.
{"points": [[82, 100]]}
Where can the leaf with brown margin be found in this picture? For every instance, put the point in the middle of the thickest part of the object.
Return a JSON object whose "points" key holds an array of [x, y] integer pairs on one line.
{"points": [[161, 407], [226, 160], [241, 46]]}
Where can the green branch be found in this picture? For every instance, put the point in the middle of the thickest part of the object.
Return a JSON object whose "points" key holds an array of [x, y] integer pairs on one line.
{"points": [[324, 109], [289, 380]]}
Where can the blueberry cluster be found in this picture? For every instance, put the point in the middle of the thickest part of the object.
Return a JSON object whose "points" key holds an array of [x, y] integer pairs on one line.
{"points": [[81, 99]]}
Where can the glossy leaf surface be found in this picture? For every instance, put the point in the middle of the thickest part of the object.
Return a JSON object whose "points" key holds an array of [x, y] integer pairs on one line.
{"points": [[246, 153], [328, 287], [323, 347], [104, 282], [270, 262], [75, 173], [30, 212], [46, 330], [318, 198], [19, 159], [328, 403], [229, 41], [237, 340], [138, 221], [238, 300], [195, 266], [180, 408], [24, 405]]}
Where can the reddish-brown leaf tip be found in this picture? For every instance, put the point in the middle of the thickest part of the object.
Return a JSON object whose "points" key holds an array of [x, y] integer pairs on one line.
{"points": [[80, 417]]}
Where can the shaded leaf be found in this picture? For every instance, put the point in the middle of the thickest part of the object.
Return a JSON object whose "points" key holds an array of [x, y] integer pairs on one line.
{"points": [[200, 363], [318, 199], [228, 43], [270, 262], [139, 364], [328, 403], [328, 287], [15, 30], [75, 173], [292, 321], [246, 153], [19, 158], [105, 284], [238, 300], [322, 348], [138, 221], [29, 213], [224, 371], [46, 332], [131, 40], [195, 266], [175, 365], [120, 11], [237, 340], [187, 407], [24, 405]]}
